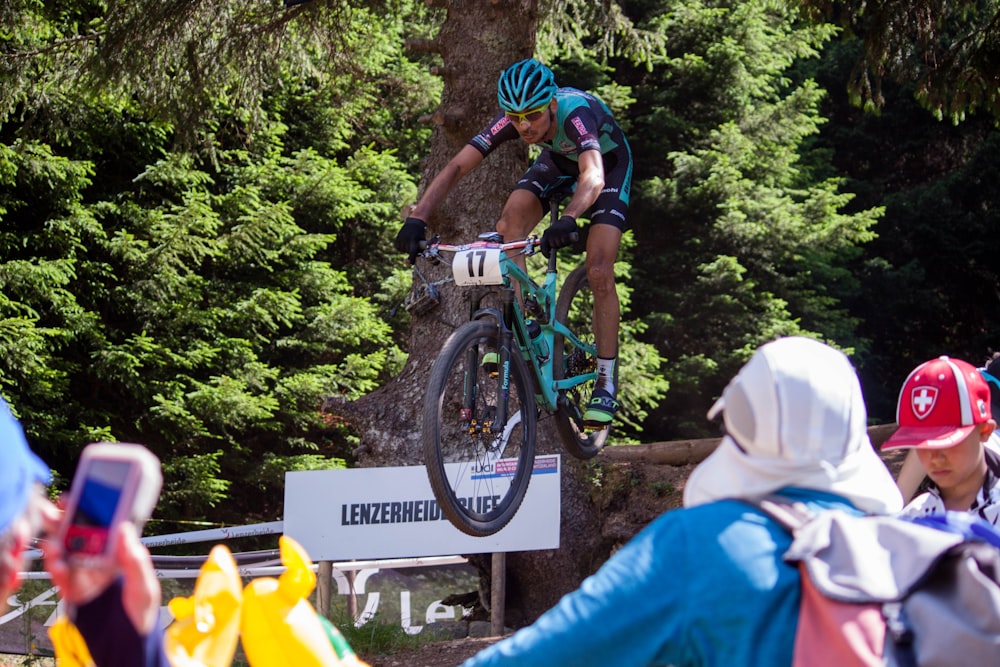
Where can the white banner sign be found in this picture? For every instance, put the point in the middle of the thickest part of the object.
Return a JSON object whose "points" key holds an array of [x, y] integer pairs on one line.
{"points": [[365, 513]]}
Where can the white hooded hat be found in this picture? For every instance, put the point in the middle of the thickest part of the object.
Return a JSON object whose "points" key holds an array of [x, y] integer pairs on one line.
{"points": [[794, 416]]}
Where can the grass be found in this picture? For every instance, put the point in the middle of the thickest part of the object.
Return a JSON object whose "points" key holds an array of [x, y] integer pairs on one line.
{"points": [[377, 637]]}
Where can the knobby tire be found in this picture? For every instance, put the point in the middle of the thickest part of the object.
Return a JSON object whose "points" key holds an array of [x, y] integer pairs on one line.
{"points": [[478, 496], [574, 308]]}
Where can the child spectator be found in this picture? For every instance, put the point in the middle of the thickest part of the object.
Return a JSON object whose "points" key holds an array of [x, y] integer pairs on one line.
{"points": [[944, 415]]}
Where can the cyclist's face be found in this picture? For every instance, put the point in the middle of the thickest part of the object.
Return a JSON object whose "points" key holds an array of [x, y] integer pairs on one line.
{"points": [[533, 125]]}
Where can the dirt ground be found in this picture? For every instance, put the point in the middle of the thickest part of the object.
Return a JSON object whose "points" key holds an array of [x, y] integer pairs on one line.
{"points": [[437, 654]]}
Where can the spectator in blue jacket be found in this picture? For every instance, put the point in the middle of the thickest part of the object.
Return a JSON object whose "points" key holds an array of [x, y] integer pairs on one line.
{"points": [[116, 610], [706, 584]]}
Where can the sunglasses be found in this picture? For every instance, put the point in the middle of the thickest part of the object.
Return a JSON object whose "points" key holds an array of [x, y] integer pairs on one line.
{"points": [[530, 116]]}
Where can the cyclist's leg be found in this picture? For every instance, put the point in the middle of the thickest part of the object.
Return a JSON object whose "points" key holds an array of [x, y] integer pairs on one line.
{"points": [[602, 251], [520, 214], [607, 224], [524, 208], [606, 228]]}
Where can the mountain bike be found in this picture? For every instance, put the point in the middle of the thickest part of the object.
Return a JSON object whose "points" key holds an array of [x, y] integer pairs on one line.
{"points": [[531, 351]]}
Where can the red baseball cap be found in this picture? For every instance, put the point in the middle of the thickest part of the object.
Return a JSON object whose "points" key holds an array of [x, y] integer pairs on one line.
{"points": [[942, 401]]}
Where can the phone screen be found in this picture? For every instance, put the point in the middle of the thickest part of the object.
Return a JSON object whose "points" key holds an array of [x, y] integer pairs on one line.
{"points": [[98, 502]]}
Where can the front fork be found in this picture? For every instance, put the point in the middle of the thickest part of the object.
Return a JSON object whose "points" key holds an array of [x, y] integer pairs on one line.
{"points": [[492, 419]]}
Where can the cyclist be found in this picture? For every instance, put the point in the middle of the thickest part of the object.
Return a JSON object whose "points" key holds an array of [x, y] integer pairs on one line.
{"points": [[584, 148]]}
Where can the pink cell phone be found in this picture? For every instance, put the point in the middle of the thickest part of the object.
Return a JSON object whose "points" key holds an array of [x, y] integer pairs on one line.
{"points": [[114, 482]]}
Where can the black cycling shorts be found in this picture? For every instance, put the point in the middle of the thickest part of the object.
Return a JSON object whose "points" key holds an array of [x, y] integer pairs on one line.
{"points": [[556, 175]]}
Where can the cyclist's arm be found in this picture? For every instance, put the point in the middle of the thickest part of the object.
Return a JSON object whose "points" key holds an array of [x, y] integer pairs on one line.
{"points": [[464, 161], [588, 185]]}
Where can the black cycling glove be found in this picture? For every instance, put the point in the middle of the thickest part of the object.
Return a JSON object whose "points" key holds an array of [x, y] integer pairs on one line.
{"points": [[409, 237], [560, 234]]}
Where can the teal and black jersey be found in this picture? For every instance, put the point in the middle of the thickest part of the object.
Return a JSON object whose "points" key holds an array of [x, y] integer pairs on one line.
{"points": [[583, 122]]}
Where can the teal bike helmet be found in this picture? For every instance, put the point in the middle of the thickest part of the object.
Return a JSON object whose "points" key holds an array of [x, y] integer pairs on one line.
{"points": [[525, 85]]}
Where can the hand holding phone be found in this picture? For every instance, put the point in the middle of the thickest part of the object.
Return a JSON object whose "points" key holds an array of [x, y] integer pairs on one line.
{"points": [[114, 482]]}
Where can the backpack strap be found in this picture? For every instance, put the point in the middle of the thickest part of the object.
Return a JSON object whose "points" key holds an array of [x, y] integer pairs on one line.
{"points": [[790, 514], [830, 632]]}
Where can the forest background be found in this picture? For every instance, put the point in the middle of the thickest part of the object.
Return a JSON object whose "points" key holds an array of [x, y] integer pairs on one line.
{"points": [[197, 202]]}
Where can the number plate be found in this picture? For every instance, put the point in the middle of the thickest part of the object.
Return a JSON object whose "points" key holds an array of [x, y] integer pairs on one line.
{"points": [[477, 266]]}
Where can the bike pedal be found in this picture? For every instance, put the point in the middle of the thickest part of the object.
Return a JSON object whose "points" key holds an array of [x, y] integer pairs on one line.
{"points": [[422, 299], [595, 427]]}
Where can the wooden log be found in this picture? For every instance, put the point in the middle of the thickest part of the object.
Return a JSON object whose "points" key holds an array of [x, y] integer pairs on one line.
{"points": [[688, 452], [674, 453]]}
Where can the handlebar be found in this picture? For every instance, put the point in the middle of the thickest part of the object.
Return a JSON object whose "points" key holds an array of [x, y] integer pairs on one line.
{"points": [[430, 248]]}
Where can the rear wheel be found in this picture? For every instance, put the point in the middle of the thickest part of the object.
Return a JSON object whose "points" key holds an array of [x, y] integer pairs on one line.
{"points": [[478, 437], [575, 308]]}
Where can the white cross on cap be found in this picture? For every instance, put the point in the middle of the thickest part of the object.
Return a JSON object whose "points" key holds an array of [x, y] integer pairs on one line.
{"points": [[922, 400]]}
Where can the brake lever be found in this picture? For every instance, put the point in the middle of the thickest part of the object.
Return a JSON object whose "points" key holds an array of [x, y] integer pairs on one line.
{"points": [[429, 251]]}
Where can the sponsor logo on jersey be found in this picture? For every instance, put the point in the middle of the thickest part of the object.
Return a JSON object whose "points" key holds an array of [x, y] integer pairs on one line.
{"points": [[499, 125], [578, 124]]}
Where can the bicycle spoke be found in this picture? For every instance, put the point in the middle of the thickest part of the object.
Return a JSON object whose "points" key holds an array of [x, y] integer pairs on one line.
{"points": [[575, 309], [479, 466]]}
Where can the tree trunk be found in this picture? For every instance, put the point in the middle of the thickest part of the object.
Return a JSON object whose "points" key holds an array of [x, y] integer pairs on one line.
{"points": [[476, 42]]}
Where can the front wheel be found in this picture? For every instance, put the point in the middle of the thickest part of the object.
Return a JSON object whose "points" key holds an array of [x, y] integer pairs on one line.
{"points": [[479, 430], [575, 309]]}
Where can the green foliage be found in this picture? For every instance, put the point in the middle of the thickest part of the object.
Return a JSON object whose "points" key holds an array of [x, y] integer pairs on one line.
{"points": [[749, 245], [642, 383], [928, 279], [947, 51], [190, 64], [661, 489], [202, 488], [200, 316], [600, 30], [194, 304]]}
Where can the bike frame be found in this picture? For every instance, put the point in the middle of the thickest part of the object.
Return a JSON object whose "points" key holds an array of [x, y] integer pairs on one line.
{"points": [[512, 321]]}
